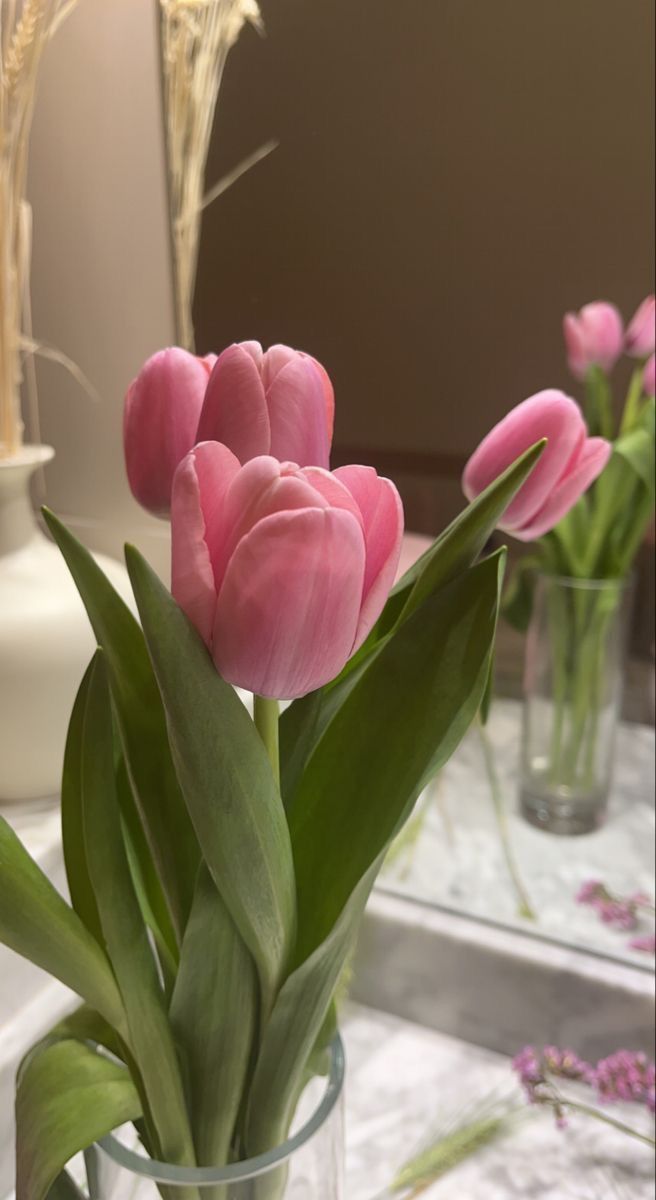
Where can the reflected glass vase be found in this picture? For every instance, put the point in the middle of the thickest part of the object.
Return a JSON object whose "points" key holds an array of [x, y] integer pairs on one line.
{"points": [[309, 1166], [573, 678]]}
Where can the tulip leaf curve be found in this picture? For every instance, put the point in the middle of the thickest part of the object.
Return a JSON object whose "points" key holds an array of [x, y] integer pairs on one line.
{"points": [[226, 779], [214, 1012], [150, 1037], [141, 723], [68, 1096], [38, 924], [400, 723]]}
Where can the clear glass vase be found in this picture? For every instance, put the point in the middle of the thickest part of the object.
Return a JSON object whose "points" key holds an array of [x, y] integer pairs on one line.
{"points": [[573, 678], [309, 1166]]}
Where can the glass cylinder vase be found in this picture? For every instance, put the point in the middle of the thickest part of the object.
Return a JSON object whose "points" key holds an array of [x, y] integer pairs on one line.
{"points": [[308, 1166], [574, 670]]}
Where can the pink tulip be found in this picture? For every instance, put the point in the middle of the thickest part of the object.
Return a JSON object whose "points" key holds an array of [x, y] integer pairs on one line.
{"points": [[641, 331], [649, 376], [160, 418], [283, 570], [570, 462], [278, 402], [594, 337]]}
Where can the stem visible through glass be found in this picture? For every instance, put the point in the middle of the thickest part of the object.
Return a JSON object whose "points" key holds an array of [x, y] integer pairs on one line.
{"points": [[265, 715], [525, 907]]}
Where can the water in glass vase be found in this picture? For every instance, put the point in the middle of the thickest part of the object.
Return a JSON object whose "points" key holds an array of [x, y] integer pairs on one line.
{"points": [[572, 695], [309, 1166]]}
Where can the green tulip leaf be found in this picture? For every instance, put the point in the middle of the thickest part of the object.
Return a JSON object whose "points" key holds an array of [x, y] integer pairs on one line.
{"points": [[150, 1037], [295, 1024], [38, 924], [75, 856], [517, 602], [214, 1017], [84, 1024], [226, 780], [305, 721], [69, 1095], [65, 1188], [400, 723], [142, 726], [636, 448]]}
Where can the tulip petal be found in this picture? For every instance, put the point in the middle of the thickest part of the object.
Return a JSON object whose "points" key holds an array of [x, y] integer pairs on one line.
{"points": [[590, 463], [235, 411], [278, 357], [198, 530], [549, 414], [334, 491], [296, 402], [382, 518], [160, 417], [288, 609], [262, 487]]}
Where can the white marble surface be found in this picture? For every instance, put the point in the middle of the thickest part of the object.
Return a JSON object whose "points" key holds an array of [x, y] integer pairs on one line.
{"points": [[457, 862], [404, 1083]]}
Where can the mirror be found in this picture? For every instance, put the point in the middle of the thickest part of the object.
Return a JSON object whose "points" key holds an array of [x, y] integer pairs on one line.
{"points": [[450, 179]]}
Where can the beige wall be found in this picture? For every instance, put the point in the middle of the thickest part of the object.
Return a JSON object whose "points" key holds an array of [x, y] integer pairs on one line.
{"points": [[102, 270]]}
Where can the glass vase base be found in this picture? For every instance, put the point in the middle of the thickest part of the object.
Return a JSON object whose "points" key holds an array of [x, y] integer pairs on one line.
{"points": [[567, 814]]}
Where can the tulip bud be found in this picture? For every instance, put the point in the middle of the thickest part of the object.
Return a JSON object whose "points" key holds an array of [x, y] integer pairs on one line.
{"points": [[649, 376], [569, 463], [279, 402], [594, 337], [282, 570], [160, 418], [641, 331]]}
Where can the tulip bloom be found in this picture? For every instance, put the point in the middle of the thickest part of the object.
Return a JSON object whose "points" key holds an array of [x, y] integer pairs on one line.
{"points": [[283, 570], [649, 376], [594, 337], [160, 419], [278, 402], [569, 463], [641, 331]]}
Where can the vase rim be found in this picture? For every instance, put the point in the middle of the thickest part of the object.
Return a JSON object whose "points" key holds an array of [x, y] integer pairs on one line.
{"points": [[30, 455], [621, 581], [241, 1172]]}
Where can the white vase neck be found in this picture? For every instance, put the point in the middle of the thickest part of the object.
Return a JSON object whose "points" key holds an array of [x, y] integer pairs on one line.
{"points": [[18, 524]]}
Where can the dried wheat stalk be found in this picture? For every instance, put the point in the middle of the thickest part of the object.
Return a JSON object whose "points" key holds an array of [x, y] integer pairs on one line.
{"points": [[197, 36], [26, 26]]}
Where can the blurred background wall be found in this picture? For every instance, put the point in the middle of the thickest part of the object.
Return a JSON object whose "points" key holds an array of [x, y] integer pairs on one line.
{"points": [[452, 175]]}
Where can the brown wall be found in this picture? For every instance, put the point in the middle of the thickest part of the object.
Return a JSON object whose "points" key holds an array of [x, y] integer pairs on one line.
{"points": [[452, 175]]}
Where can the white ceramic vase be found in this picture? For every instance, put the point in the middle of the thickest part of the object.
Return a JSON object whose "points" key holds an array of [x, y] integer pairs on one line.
{"points": [[45, 638]]}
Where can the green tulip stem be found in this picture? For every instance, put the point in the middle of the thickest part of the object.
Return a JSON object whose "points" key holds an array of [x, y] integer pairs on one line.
{"points": [[265, 715], [633, 402], [525, 908]]}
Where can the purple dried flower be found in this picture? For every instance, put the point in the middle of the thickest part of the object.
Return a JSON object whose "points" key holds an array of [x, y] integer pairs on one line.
{"points": [[531, 1075], [617, 911], [646, 943], [625, 1076], [566, 1064], [590, 891]]}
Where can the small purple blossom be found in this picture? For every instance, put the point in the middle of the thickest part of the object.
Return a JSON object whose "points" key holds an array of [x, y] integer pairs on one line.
{"points": [[619, 912], [625, 1076], [645, 943], [590, 891]]}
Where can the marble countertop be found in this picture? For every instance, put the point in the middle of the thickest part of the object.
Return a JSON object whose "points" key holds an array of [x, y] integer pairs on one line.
{"points": [[404, 1084], [456, 862]]}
